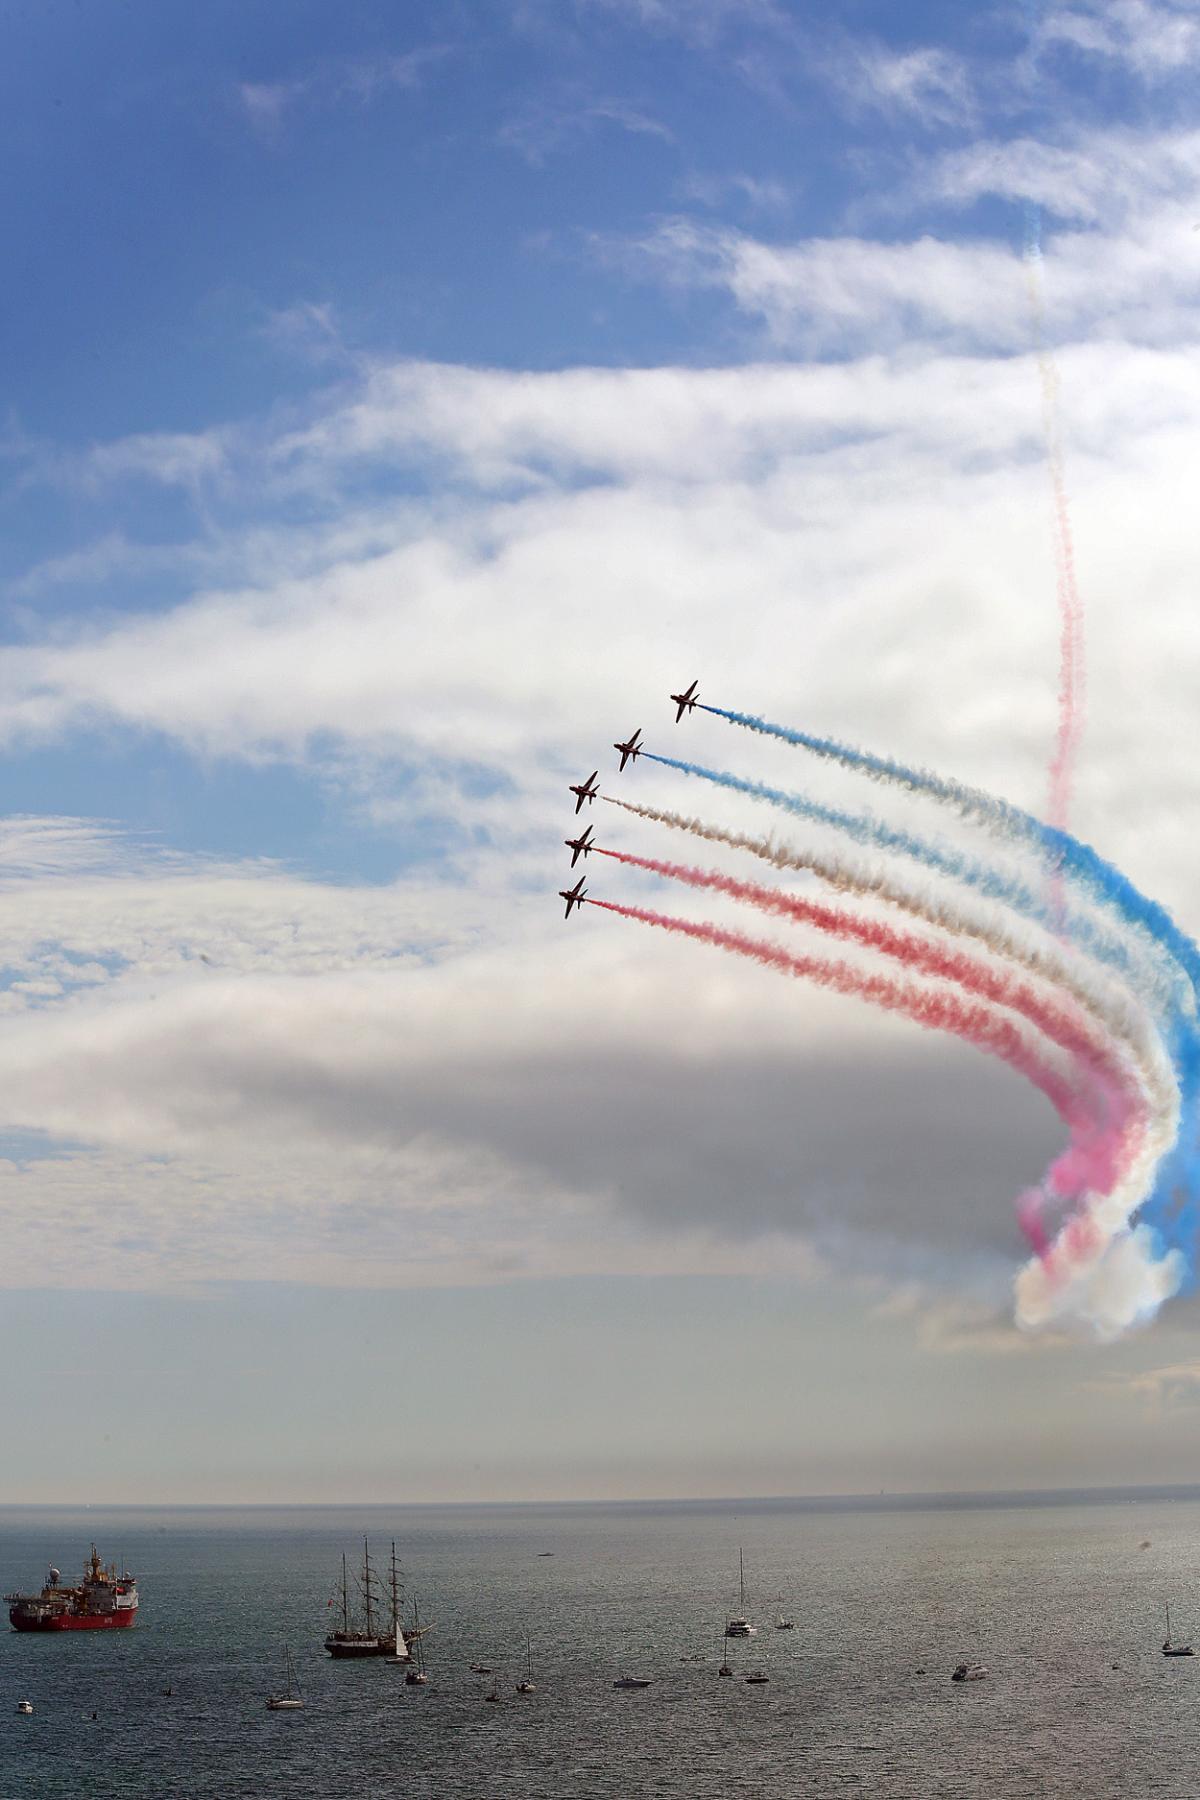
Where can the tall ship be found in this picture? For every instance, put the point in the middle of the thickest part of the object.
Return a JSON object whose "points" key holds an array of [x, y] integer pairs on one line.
{"points": [[370, 1627], [103, 1601]]}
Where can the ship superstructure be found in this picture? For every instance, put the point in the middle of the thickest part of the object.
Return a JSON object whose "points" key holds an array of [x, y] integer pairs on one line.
{"points": [[103, 1600]]}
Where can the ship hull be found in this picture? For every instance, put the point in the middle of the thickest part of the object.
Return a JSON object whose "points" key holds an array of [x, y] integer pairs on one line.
{"points": [[367, 1647], [114, 1621]]}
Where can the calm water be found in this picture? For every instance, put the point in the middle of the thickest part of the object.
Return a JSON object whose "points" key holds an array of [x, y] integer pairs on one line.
{"points": [[1050, 1597]]}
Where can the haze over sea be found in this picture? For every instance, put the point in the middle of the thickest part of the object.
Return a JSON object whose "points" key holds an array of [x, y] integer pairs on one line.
{"points": [[1050, 1591]]}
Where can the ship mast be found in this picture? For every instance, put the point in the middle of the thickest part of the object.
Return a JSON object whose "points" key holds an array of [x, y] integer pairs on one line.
{"points": [[395, 1592], [345, 1597], [367, 1589]]}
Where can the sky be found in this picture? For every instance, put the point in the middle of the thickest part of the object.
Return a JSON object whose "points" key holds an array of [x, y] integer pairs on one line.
{"points": [[397, 404]]}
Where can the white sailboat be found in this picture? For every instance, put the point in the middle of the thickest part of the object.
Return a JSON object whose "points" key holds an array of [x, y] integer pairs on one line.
{"points": [[291, 1700], [740, 1627], [400, 1650], [527, 1686], [416, 1677]]}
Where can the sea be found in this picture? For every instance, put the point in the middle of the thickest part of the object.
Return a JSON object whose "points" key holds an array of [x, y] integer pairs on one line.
{"points": [[1061, 1597]]}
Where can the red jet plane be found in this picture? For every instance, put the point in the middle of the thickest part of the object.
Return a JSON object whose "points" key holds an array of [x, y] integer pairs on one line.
{"points": [[632, 748], [573, 896], [586, 790], [684, 702], [579, 846]]}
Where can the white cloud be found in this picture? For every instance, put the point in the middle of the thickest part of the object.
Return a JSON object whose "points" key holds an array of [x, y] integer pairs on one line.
{"points": [[701, 22], [267, 105], [1151, 37], [929, 85], [545, 127], [842, 295]]}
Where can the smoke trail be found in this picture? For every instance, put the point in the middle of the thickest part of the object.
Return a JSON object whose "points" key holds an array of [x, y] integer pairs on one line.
{"points": [[1105, 883], [1097, 1266], [1070, 606], [1063, 1025], [993, 884], [1046, 963]]}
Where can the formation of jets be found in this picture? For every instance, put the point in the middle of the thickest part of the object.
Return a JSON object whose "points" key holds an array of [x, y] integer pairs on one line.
{"points": [[587, 790]]}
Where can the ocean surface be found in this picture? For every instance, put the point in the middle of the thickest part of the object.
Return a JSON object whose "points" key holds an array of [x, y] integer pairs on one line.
{"points": [[1061, 1601]]}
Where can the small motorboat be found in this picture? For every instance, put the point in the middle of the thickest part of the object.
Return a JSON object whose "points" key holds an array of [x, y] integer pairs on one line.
{"points": [[969, 1671], [632, 1681], [24, 1706], [482, 1669], [782, 1624], [756, 1677]]}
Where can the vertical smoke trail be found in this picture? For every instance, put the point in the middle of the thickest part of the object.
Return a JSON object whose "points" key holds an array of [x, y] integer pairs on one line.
{"points": [[1070, 605]]}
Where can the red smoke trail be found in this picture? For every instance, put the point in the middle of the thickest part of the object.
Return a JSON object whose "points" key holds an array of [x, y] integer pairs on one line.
{"points": [[1098, 1153], [1063, 1025], [1071, 684]]}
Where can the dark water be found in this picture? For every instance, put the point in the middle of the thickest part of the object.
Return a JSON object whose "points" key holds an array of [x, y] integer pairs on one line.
{"points": [[1049, 1597]]}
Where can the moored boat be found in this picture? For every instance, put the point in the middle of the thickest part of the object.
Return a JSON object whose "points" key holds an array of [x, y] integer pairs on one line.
{"points": [[1170, 1649], [291, 1700], [740, 1627], [103, 1600]]}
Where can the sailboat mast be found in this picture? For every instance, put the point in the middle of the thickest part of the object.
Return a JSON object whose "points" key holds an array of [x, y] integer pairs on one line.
{"points": [[345, 1596], [367, 1588], [742, 1582], [395, 1592]]}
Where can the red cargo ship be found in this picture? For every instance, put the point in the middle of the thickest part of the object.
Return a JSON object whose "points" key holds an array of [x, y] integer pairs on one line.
{"points": [[102, 1601]]}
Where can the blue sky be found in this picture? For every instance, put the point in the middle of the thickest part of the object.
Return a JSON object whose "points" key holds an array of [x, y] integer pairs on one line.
{"points": [[396, 405]]}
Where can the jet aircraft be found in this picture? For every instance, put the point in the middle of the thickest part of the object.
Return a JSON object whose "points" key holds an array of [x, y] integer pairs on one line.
{"points": [[573, 896], [632, 748], [579, 846], [585, 790], [684, 702]]}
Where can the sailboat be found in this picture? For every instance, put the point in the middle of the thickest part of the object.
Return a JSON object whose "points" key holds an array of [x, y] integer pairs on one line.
{"points": [[1170, 1649], [741, 1626], [527, 1686], [417, 1677], [400, 1650], [291, 1700]]}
